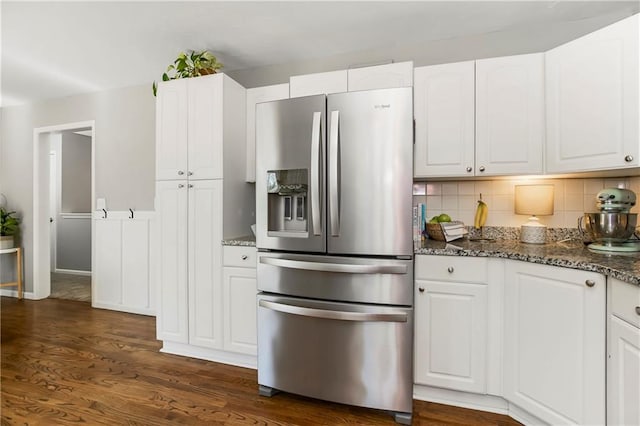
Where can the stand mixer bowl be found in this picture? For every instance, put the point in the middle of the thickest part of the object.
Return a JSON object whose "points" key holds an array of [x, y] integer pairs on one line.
{"points": [[609, 228]]}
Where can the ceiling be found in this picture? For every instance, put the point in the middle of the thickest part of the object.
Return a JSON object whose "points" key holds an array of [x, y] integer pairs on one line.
{"points": [[56, 49]]}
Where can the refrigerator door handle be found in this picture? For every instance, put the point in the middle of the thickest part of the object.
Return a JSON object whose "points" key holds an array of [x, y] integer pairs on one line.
{"points": [[334, 196], [316, 134], [335, 267], [334, 315]]}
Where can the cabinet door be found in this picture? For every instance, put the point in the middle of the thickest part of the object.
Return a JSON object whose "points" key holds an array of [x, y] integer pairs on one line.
{"points": [[255, 96], [451, 335], [318, 84], [592, 100], [240, 329], [171, 230], [380, 77], [554, 343], [510, 115], [205, 263], [171, 130], [205, 127], [623, 375], [444, 118]]}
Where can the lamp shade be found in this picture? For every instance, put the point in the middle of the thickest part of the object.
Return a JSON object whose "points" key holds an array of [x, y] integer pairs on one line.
{"points": [[534, 199]]}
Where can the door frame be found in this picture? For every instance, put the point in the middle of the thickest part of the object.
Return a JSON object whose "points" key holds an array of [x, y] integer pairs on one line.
{"points": [[41, 235]]}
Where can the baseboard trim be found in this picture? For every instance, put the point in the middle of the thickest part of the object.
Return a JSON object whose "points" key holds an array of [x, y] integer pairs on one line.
{"points": [[14, 293], [490, 403], [122, 308], [215, 355], [73, 272]]}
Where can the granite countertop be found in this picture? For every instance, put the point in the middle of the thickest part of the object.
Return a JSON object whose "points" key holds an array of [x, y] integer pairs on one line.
{"points": [[246, 240], [569, 254]]}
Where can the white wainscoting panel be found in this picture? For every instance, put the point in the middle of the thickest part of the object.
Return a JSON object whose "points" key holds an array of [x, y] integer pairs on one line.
{"points": [[122, 276]]}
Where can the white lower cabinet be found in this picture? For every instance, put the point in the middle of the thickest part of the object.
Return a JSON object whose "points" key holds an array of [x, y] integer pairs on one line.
{"points": [[623, 368], [451, 323], [554, 356], [239, 296]]}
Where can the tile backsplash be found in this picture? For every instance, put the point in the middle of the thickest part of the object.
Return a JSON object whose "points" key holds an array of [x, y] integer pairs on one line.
{"points": [[572, 197]]}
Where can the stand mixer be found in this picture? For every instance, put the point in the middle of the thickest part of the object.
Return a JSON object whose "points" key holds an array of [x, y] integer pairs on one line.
{"points": [[612, 227]]}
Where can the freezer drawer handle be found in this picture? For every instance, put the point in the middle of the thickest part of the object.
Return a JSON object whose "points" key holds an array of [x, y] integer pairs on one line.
{"points": [[334, 315], [334, 267], [316, 157]]}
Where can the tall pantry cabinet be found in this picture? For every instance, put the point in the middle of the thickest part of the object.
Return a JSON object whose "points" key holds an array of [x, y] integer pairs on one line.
{"points": [[201, 198]]}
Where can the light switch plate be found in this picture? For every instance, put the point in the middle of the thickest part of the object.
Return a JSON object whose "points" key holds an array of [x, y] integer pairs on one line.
{"points": [[101, 204]]}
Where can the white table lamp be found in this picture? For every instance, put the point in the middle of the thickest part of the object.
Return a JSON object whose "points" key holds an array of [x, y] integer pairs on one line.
{"points": [[535, 200]]}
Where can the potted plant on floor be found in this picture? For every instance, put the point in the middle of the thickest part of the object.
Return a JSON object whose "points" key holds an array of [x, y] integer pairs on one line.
{"points": [[9, 226], [193, 64]]}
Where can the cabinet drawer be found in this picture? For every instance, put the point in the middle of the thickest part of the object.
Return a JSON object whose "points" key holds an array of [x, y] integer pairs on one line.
{"points": [[242, 256], [451, 268], [625, 301]]}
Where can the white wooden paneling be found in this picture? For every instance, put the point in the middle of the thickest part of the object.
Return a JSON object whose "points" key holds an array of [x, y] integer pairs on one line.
{"points": [[592, 100], [205, 155], [318, 84], [121, 278], [444, 111], [555, 343], [205, 263], [380, 76], [240, 328], [171, 129], [255, 96], [510, 115]]}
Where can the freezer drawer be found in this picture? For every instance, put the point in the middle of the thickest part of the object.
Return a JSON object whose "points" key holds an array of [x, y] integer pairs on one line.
{"points": [[344, 279], [347, 353]]}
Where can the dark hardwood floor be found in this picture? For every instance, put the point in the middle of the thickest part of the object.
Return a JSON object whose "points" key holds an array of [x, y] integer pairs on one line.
{"points": [[66, 363]]}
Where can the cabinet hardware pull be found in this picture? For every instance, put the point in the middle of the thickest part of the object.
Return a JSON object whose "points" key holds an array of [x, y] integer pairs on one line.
{"points": [[469, 169], [628, 158], [590, 283], [450, 269], [638, 310], [244, 257], [190, 185], [189, 173], [481, 168], [421, 289], [180, 172], [180, 185]]}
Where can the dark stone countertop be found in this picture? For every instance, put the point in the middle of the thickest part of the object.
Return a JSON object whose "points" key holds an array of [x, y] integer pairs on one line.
{"points": [[569, 254], [246, 240]]}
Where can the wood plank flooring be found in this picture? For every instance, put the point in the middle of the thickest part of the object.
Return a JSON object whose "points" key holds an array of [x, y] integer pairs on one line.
{"points": [[65, 363], [70, 287]]}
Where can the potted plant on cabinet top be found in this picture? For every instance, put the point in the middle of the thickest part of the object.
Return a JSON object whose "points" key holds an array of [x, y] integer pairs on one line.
{"points": [[9, 226], [193, 64]]}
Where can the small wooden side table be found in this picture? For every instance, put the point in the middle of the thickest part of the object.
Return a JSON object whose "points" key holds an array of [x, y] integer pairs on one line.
{"points": [[18, 281]]}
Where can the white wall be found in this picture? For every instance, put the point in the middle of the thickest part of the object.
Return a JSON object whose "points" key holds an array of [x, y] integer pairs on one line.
{"points": [[572, 198], [125, 151]]}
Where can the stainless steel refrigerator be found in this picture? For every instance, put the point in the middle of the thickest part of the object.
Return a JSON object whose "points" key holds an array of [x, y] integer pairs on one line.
{"points": [[334, 232]]}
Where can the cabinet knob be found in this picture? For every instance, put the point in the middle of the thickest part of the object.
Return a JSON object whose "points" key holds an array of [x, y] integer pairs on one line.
{"points": [[421, 289], [481, 168], [189, 173], [245, 257], [190, 185], [628, 158], [180, 185], [469, 169], [450, 269], [180, 172], [638, 310], [590, 283]]}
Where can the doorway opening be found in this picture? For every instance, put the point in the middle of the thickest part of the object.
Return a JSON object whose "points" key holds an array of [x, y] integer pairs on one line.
{"points": [[63, 196]]}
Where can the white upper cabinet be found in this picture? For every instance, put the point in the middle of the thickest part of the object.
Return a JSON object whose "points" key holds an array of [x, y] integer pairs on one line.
{"points": [[318, 84], [510, 115], [592, 101], [171, 130], [380, 76], [554, 360], [190, 123], [255, 96], [444, 117]]}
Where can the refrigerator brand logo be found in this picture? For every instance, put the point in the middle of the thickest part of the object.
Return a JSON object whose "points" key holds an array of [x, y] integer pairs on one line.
{"points": [[382, 106]]}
